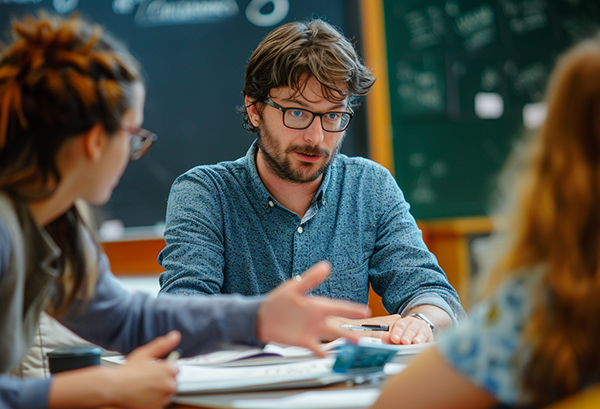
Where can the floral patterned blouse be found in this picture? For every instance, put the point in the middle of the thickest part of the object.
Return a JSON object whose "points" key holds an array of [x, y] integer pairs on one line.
{"points": [[487, 348]]}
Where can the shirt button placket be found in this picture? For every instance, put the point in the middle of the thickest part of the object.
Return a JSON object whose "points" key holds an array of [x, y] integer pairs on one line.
{"points": [[299, 252]]}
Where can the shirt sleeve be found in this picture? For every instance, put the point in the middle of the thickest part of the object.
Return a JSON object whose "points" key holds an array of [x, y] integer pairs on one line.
{"points": [[402, 270], [193, 258], [485, 349], [5, 247], [118, 320], [18, 393]]}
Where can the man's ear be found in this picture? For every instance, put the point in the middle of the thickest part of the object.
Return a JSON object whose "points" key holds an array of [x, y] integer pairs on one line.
{"points": [[94, 142], [252, 111]]}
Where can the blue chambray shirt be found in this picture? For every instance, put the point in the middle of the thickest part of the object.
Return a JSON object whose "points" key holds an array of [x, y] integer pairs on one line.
{"points": [[226, 234]]}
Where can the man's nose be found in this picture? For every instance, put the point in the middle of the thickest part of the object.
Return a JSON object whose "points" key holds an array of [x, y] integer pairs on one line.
{"points": [[314, 134]]}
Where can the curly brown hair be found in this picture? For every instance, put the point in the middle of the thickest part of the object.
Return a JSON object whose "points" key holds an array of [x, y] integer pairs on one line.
{"points": [[295, 52]]}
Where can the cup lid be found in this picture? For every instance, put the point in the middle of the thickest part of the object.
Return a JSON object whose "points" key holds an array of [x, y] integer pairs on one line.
{"points": [[68, 352]]}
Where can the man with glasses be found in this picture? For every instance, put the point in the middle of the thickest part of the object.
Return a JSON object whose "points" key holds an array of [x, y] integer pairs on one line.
{"points": [[248, 225]]}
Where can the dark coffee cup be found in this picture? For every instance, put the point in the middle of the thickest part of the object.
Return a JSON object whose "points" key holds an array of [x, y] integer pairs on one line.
{"points": [[68, 358]]}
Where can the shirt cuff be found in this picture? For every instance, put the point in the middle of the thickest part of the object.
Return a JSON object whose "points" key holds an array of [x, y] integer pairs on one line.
{"points": [[34, 393]]}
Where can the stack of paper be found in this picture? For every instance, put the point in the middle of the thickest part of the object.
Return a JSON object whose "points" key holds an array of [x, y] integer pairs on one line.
{"points": [[304, 374], [281, 367], [318, 399]]}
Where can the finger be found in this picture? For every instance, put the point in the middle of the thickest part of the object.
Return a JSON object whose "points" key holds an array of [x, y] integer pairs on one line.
{"points": [[422, 336], [397, 331], [171, 369], [313, 276], [409, 334], [419, 338], [159, 347]]}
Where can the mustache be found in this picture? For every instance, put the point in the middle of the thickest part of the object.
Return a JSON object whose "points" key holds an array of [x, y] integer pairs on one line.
{"points": [[310, 150]]}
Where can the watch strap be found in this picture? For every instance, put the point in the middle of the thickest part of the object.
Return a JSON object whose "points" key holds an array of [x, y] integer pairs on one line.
{"points": [[424, 319]]}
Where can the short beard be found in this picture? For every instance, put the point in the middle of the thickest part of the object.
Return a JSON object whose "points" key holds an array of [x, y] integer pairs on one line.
{"points": [[283, 169]]}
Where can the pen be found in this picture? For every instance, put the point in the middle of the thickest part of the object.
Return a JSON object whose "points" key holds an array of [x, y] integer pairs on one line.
{"points": [[366, 327], [173, 356]]}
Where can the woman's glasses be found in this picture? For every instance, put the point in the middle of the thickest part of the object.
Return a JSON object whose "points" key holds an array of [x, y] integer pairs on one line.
{"points": [[140, 141]]}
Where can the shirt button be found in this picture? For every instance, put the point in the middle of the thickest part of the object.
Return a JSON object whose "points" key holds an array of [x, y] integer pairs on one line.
{"points": [[271, 203], [300, 230]]}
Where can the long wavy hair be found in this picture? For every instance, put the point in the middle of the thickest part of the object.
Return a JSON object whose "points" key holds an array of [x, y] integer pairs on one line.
{"points": [[555, 226], [295, 52], [58, 79]]}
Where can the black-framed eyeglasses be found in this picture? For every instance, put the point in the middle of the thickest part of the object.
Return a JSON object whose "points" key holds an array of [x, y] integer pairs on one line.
{"points": [[140, 141], [298, 118]]}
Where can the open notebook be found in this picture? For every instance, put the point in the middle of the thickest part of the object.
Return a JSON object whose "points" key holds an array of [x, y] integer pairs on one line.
{"points": [[356, 363], [277, 354]]}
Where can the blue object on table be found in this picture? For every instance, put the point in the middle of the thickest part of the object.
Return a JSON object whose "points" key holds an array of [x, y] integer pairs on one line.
{"points": [[363, 357]]}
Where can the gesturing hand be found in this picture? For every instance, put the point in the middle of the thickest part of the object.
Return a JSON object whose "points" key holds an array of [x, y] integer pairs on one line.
{"points": [[291, 317]]}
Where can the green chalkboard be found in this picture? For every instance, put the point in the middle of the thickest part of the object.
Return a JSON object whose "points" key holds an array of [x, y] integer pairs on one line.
{"points": [[467, 78]]}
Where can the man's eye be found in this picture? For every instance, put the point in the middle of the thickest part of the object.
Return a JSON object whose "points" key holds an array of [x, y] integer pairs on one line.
{"points": [[332, 116], [297, 113]]}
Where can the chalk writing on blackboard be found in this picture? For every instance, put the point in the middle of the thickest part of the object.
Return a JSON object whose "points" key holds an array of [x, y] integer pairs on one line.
{"points": [[476, 27], [161, 12], [428, 172], [426, 28], [421, 86], [528, 81], [490, 79], [124, 6], [525, 15]]}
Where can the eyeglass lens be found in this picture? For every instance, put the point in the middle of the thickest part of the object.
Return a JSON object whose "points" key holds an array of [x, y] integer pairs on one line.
{"points": [[141, 140], [330, 121]]}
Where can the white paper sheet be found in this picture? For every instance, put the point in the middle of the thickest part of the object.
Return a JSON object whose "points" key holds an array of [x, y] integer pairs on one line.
{"points": [[353, 398]]}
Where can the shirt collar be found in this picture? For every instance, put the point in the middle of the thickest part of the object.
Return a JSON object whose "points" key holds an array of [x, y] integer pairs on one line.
{"points": [[263, 194]]}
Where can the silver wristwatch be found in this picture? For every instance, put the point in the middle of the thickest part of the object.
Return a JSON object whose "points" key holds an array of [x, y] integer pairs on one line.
{"points": [[425, 319]]}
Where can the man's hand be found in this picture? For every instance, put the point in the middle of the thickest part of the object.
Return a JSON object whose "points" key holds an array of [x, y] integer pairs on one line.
{"points": [[291, 317], [403, 330]]}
